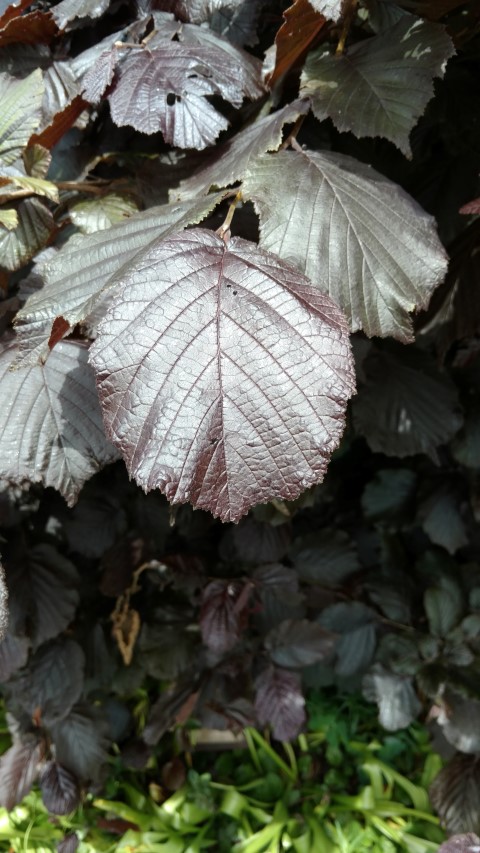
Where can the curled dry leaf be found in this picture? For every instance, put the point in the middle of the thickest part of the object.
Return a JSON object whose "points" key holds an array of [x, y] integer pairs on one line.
{"points": [[223, 374]]}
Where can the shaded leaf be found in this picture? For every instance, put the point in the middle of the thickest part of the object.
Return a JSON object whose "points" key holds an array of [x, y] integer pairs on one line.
{"points": [[13, 655], [79, 272], [255, 542], [389, 493], [81, 742], [43, 593], [53, 681], [356, 644], [359, 237], [455, 794], [232, 160], [166, 708], [369, 90], [166, 652], [297, 643], [19, 770], [20, 244], [443, 605], [21, 102], [222, 615], [442, 520], [466, 444], [240, 384], [60, 790], [51, 423], [279, 702], [95, 522], [301, 26], [459, 719], [327, 557], [281, 582], [397, 701], [407, 406], [99, 213]]}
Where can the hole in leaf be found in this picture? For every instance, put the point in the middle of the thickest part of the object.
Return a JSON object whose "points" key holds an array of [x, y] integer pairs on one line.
{"points": [[170, 99]]}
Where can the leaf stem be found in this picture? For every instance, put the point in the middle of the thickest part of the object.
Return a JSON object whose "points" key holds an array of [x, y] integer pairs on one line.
{"points": [[348, 17], [224, 230], [293, 133]]}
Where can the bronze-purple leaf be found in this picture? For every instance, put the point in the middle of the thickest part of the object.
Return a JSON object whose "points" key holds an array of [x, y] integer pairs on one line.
{"points": [[223, 374], [279, 701]]}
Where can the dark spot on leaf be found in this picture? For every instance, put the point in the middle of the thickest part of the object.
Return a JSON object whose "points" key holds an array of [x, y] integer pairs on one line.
{"points": [[170, 99], [235, 292]]}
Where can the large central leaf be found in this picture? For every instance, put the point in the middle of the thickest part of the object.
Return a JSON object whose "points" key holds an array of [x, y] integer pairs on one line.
{"points": [[359, 237], [223, 374]]}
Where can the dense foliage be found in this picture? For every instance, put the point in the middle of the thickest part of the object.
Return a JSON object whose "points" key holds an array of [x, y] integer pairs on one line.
{"points": [[220, 221]]}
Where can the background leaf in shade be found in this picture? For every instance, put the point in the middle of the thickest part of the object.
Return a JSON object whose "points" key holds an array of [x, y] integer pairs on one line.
{"points": [[368, 90], [68, 844], [355, 647], [326, 557], [44, 594], [444, 605], [398, 704], [13, 655], [222, 615], [232, 328], [253, 542], [81, 742], [53, 680], [389, 493], [236, 20], [455, 794], [407, 405], [68, 10], [459, 719], [442, 520], [359, 237], [279, 701], [296, 643], [19, 770], [60, 790], [51, 423]]}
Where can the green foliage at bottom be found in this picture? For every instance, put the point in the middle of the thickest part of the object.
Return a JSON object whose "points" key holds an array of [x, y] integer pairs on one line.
{"points": [[344, 786]]}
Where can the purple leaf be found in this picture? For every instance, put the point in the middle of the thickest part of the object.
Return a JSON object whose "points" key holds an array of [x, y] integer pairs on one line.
{"points": [[468, 843], [222, 615], [68, 844], [50, 422], [297, 643], [455, 794], [43, 594], [60, 790], [13, 655], [53, 681], [164, 87], [69, 10], [18, 771], [81, 742], [368, 90], [279, 701], [234, 391], [3, 605]]}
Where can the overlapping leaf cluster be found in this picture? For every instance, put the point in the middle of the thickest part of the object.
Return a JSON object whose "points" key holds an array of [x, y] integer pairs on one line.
{"points": [[204, 206]]}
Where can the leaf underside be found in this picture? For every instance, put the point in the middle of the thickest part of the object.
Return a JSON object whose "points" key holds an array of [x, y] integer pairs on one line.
{"points": [[223, 374]]}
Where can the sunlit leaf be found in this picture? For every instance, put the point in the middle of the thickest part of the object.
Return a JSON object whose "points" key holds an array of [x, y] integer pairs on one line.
{"points": [[398, 704], [459, 719], [359, 237], [231, 160], [236, 20], [50, 421], [97, 214], [11, 177], [8, 218], [20, 116], [20, 244], [229, 324], [69, 10], [332, 9], [75, 277], [369, 90], [468, 843]]}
